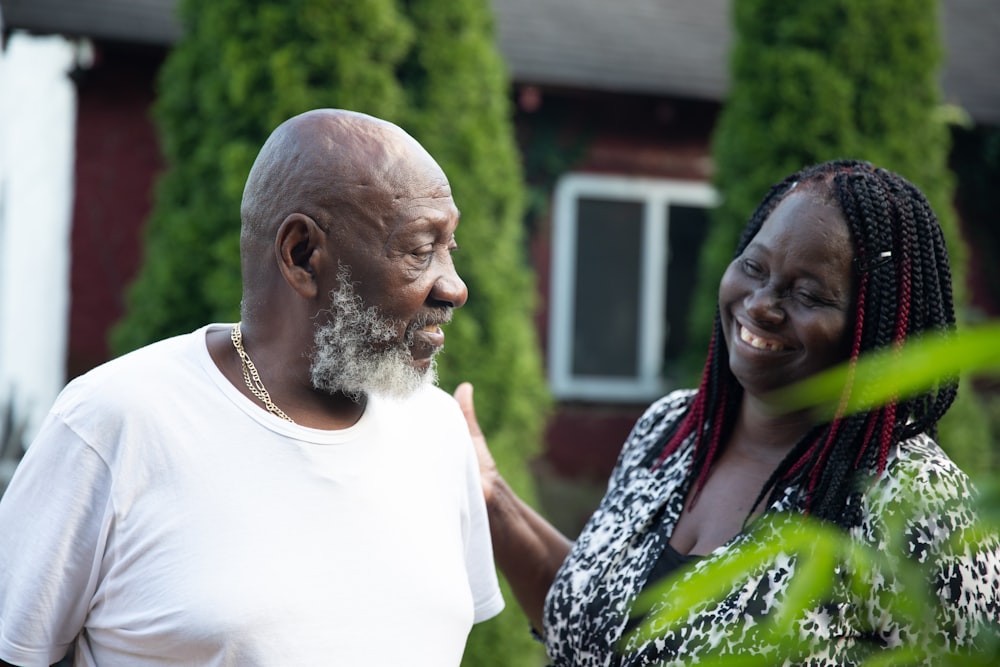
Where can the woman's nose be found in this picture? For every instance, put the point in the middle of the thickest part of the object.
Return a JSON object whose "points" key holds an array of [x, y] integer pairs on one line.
{"points": [[764, 306]]}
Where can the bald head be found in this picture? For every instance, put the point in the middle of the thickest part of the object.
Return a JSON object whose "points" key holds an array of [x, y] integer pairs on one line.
{"points": [[338, 167], [348, 232]]}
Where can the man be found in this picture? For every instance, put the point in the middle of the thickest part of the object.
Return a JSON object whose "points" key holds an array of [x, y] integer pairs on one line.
{"points": [[288, 490]]}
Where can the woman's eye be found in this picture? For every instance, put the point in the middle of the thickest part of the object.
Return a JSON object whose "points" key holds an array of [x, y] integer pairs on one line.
{"points": [[752, 268], [810, 299]]}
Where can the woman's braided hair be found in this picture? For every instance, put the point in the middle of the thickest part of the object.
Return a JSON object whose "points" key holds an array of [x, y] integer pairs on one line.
{"points": [[902, 288]]}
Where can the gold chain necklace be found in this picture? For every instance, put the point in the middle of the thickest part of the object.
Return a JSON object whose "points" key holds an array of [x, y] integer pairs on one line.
{"points": [[252, 377]]}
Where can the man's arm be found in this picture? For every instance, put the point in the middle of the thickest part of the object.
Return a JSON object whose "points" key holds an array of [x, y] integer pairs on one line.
{"points": [[528, 549], [52, 517]]}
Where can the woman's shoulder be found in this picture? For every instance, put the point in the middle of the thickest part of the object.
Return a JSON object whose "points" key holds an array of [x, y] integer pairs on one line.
{"points": [[664, 412], [920, 467], [925, 508], [924, 489], [649, 431]]}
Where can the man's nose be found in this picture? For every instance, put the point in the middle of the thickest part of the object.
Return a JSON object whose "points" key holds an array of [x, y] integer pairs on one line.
{"points": [[450, 289]]}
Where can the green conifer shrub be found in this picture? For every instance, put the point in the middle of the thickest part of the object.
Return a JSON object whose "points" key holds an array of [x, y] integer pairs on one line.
{"points": [[814, 81], [460, 110]]}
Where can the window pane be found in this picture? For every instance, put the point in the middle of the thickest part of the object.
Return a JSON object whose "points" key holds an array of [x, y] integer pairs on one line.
{"points": [[606, 305], [688, 227]]}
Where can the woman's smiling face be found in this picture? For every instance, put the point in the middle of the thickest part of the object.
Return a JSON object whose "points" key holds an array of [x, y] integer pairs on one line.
{"points": [[784, 302]]}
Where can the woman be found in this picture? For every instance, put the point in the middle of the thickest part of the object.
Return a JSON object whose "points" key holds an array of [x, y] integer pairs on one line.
{"points": [[838, 260]]}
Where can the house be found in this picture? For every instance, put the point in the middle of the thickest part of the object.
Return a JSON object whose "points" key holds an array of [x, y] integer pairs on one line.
{"points": [[627, 91]]}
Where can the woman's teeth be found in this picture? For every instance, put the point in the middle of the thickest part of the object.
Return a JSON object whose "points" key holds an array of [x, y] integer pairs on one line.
{"points": [[759, 343]]}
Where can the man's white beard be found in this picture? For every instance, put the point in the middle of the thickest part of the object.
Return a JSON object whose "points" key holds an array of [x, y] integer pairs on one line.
{"points": [[356, 352]]}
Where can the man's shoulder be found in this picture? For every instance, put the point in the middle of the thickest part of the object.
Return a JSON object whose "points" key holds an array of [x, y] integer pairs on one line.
{"points": [[151, 368], [428, 405]]}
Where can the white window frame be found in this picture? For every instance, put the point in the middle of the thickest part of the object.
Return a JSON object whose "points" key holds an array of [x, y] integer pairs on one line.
{"points": [[657, 195]]}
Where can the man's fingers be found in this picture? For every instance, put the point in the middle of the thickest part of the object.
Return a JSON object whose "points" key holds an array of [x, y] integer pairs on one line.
{"points": [[463, 394]]}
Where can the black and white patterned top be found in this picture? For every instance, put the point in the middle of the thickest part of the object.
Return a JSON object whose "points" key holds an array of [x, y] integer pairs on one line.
{"points": [[591, 599]]}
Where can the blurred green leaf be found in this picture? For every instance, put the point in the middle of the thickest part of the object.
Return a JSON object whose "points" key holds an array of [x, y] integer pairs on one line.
{"points": [[881, 377], [821, 555]]}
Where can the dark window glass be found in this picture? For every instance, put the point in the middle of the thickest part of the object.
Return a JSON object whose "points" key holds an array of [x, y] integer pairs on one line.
{"points": [[688, 227], [606, 305]]}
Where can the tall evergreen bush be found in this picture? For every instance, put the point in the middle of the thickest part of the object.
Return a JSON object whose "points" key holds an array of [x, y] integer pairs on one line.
{"points": [[813, 81], [459, 108], [240, 69], [432, 67]]}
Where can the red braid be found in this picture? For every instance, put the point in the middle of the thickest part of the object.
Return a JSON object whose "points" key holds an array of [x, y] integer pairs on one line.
{"points": [[694, 420], [715, 437]]}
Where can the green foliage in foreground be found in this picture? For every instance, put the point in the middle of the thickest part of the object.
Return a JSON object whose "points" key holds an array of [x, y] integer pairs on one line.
{"points": [[821, 554], [819, 548], [881, 377]]}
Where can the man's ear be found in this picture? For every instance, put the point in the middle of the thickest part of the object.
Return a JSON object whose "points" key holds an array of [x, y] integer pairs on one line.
{"points": [[299, 246]]}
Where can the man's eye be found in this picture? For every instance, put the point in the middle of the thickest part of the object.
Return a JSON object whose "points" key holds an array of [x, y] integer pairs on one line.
{"points": [[422, 256]]}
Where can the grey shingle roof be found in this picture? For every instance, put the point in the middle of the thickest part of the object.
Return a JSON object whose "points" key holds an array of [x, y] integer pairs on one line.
{"points": [[971, 77], [144, 21], [668, 47], [647, 46]]}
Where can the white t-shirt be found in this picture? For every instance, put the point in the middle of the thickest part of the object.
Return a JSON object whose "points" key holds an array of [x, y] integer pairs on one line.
{"points": [[167, 519]]}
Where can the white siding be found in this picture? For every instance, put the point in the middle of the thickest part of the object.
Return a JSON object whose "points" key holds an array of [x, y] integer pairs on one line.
{"points": [[37, 129]]}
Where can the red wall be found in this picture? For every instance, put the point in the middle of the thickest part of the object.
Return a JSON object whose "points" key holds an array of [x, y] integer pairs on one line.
{"points": [[117, 159]]}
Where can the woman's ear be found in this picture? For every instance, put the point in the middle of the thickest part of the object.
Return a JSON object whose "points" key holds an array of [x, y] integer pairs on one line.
{"points": [[299, 245]]}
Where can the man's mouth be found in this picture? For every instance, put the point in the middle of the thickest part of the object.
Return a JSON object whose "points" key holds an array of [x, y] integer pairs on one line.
{"points": [[758, 342], [430, 334], [426, 338]]}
